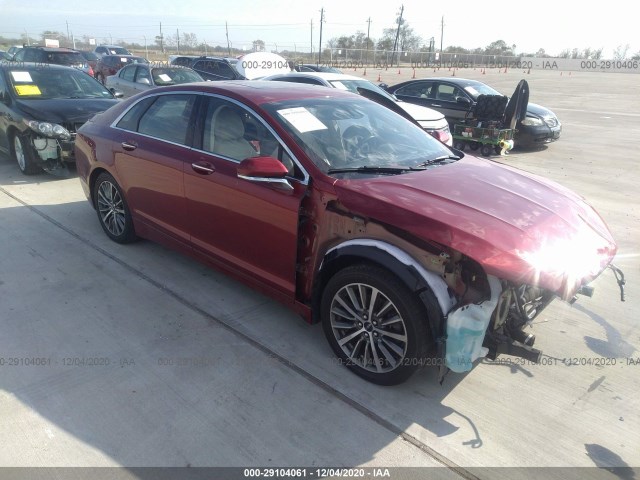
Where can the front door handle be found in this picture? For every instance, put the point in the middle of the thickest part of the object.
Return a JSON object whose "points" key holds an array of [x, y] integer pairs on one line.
{"points": [[435, 105], [129, 146], [203, 168]]}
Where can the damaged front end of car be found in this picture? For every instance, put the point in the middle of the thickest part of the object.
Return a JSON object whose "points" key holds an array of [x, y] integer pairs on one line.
{"points": [[503, 243], [51, 146], [501, 323]]}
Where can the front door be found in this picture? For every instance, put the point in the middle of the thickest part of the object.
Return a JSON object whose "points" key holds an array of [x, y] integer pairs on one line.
{"points": [[250, 227]]}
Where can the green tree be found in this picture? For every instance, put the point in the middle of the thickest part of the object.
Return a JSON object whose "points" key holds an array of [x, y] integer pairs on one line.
{"points": [[258, 46]]}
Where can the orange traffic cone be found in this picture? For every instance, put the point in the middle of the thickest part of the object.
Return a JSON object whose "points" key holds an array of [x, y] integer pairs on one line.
{"points": [[379, 78], [398, 71], [364, 74], [414, 73]]}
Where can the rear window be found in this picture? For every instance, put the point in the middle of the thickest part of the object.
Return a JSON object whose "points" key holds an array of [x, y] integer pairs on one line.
{"points": [[65, 58], [118, 51]]}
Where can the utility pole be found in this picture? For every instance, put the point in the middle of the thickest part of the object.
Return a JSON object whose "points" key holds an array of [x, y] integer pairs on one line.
{"points": [[311, 57], [321, 20], [366, 55], [145, 47], [441, 37], [27, 34], [68, 36], [395, 44], [161, 39], [228, 45], [178, 41]]}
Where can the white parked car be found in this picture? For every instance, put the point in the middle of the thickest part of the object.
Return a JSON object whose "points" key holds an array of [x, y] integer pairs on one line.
{"points": [[430, 120]]}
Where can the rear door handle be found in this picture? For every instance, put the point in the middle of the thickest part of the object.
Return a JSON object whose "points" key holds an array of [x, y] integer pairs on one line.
{"points": [[435, 105], [203, 168], [129, 146]]}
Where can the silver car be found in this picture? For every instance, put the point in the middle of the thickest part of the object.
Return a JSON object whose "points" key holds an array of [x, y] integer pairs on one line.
{"points": [[137, 77]]}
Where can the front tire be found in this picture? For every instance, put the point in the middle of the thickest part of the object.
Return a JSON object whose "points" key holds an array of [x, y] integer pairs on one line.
{"points": [[22, 154], [113, 211], [374, 324]]}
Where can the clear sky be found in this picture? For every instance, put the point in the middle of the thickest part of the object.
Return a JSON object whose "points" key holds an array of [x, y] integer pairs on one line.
{"points": [[552, 25]]}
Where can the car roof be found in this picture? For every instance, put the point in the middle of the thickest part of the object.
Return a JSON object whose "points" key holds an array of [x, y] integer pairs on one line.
{"points": [[463, 82], [260, 91], [208, 57], [35, 65], [122, 56], [51, 49], [328, 76], [110, 46]]}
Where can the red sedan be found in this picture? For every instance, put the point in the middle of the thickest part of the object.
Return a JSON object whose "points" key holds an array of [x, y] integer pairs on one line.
{"points": [[403, 248]]}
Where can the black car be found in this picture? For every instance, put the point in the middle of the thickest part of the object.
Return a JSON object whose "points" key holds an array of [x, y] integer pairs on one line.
{"points": [[215, 68], [58, 56], [4, 55], [310, 67], [456, 98], [41, 108]]}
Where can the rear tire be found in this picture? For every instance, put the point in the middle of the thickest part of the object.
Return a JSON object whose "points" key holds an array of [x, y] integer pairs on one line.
{"points": [[486, 150], [374, 324], [113, 212], [22, 154]]}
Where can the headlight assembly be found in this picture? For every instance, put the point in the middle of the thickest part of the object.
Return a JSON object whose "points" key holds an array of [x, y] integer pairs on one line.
{"points": [[51, 130], [532, 121]]}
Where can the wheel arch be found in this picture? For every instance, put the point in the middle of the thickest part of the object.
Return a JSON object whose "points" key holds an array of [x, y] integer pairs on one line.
{"points": [[393, 259], [92, 181]]}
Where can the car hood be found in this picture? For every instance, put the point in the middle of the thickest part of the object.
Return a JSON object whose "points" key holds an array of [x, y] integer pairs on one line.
{"points": [[538, 110], [421, 113], [518, 226], [65, 110]]}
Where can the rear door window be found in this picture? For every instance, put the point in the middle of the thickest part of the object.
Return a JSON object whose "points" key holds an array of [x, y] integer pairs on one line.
{"points": [[168, 118]]}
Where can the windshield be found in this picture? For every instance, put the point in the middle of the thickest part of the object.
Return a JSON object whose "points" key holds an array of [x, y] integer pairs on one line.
{"points": [[47, 83], [478, 89], [172, 76], [352, 86], [355, 133]]}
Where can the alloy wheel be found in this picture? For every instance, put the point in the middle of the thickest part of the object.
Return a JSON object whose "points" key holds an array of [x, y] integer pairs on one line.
{"points": [[111, 208], [368, 328]]}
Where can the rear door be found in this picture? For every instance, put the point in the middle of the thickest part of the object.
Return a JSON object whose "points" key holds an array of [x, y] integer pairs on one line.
{"points": [[123, 81], [249, 227], [151, 144]]}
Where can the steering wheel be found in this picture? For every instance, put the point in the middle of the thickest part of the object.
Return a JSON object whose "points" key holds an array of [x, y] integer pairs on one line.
{"points": [[359, 142]]}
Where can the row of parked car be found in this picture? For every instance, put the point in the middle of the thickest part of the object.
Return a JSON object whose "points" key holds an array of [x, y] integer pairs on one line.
{"points": [[341, 207]]}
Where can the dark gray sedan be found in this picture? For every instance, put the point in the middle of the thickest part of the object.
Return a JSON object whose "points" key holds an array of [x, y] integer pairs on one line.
{"points": [[136, 78], [456, 97]]}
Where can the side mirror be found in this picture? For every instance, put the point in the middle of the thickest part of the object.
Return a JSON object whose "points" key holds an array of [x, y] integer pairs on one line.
{"points": [[383, 86], [117, 93], [463, 101], [266, 170], [143, 81]]}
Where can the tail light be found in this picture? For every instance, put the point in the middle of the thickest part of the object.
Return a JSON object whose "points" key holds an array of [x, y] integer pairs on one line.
{"points": [[90, 71]]}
